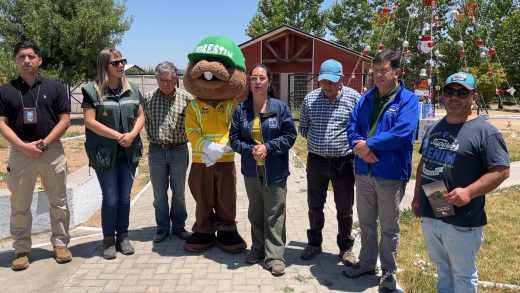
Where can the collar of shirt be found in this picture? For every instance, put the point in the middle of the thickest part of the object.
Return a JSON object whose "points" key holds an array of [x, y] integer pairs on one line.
{"points": [[169, 98]]}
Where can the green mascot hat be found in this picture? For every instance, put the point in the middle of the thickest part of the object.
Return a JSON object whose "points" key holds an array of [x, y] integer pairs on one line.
{"points": [[217, 48]]}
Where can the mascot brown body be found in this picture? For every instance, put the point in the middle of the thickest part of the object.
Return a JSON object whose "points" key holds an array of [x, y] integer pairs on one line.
{"points": [[215, 76]]}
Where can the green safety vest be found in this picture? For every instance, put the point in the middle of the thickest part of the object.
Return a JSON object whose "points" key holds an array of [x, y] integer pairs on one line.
{"points": [[102, 151]]}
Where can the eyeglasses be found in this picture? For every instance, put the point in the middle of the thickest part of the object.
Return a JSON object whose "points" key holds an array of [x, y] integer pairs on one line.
{"points": [[116, 63], [461, 93], [257, 78]]}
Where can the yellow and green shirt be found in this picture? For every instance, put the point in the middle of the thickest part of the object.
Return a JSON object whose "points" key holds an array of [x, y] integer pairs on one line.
{"points": [[207, 123]]}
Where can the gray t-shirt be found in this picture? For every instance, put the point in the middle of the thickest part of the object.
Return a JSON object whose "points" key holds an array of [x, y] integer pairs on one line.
{"points": [[458, 155]]}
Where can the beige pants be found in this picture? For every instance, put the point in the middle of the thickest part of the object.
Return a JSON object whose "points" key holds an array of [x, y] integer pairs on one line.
{"points": [[21, 179]]}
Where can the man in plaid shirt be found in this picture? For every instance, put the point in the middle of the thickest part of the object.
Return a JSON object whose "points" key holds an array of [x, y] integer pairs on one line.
{"points": [[168, 155], [323, 121]]}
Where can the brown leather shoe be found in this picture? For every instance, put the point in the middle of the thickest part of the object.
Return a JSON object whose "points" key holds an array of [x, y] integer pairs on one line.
{"points": [[21, 261], [62, 254]]}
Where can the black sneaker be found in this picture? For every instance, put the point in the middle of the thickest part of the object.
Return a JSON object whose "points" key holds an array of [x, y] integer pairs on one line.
{"points": [[388, 282], [181, 233], [160, 236], [310, 252]]}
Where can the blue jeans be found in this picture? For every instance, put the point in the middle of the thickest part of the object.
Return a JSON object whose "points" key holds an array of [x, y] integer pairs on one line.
{"points": [[169, 167], [116, 184], [454, 250]]}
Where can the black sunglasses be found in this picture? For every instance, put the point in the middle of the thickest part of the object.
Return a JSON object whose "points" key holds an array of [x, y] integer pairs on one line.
{"points": [[116, 63], [461, 93]]}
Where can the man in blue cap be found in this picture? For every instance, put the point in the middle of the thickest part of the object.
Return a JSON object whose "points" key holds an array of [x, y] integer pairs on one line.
{"points": [[381, 132], [323, 121], [468, 158]]}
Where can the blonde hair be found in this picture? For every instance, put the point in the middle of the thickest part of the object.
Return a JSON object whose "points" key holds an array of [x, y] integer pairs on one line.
{"points": [[101, 82]]}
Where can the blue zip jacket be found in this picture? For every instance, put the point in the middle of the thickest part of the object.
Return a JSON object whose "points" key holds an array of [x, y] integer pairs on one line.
{"points": [[393, 137], [278, 135]]}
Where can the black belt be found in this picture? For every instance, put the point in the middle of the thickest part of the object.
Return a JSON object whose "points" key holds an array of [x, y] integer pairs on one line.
{"points": [[347, 157], [168, 146]]}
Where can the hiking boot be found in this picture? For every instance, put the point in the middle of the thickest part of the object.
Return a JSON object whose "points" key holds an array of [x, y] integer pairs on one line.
{"points": [[278, 269], [109, 247], [254, 257], [348, 257], [358, 270], [181, 233], [123, 244], [160, 236], [62, 254], [20, 261], [310, 252], [387, 282]]}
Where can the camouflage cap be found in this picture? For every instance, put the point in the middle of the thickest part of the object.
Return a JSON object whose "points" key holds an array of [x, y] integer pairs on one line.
{"points": [[217, 48]]}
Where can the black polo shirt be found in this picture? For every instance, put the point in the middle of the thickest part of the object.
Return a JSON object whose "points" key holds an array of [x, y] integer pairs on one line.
{"points": [[53, 100]]}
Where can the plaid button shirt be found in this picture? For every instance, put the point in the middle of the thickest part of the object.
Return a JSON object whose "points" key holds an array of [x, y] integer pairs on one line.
{"points": [[324, 123], [165, 116]]}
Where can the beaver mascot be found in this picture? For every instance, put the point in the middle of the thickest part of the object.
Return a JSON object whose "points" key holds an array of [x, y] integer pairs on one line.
{"points": [[215, 76]]}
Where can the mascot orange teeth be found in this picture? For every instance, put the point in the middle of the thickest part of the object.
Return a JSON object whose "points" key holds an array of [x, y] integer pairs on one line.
{"points": [[216, 77]]}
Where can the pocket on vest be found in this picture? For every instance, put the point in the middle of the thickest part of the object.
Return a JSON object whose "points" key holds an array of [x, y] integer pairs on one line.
{"points": [[100, 156]]}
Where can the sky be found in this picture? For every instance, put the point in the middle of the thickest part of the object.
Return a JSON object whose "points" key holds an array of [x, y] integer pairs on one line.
{"points": [[170, 29]]}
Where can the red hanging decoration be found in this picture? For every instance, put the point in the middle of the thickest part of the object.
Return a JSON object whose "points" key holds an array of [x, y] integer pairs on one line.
{"points": [[492, 51], [462, 53], [381, 47], [479, 42], [427, 2]]}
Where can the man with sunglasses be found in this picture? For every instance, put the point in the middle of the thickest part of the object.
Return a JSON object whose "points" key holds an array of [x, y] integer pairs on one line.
{"points": [[468, 156], [34, 114]]}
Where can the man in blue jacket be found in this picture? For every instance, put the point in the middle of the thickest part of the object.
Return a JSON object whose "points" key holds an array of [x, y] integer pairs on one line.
{"points": [[381, 131]]}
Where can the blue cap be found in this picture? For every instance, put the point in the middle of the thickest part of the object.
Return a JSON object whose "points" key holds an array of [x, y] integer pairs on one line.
{"points": [[330, 70], [465, 79]]}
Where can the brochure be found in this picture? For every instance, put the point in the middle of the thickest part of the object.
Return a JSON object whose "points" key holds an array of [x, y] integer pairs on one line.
{"points": [[435, 193]]}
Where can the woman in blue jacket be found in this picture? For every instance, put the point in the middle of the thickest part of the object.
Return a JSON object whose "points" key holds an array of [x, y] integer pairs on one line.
{"points": [[263, 131]]}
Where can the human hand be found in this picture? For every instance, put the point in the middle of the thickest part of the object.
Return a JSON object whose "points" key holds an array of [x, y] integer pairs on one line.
{"points": [[32, 149], [459, 196], [360, 148], [126, 139], [416, 205], [259, 152], [370, 158]]}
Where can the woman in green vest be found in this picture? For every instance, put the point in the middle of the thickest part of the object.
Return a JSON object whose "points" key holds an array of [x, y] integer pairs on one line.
{"points": [[113, 111]]}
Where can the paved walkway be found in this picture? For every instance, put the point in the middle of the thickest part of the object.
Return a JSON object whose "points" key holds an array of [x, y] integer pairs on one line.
{"points": [[167, 267]]}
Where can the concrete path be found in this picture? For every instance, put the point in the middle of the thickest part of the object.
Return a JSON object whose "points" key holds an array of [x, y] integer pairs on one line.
{"points": [[167, 267]]}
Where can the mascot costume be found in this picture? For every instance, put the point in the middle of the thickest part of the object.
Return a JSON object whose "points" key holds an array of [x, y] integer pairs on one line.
{"points": [[215, 76]]}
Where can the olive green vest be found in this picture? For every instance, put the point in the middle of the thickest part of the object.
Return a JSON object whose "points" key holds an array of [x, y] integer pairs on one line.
{"points": [[102, 151]]}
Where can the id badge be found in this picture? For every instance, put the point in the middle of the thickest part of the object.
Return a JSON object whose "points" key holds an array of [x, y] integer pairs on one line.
{"points": [[29, 116]]}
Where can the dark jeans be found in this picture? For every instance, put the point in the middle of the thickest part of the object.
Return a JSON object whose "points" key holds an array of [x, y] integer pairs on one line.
{"points": [[339, 171], [116, 184]]}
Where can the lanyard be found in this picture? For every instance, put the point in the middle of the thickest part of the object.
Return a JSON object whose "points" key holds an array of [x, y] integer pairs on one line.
{"points": [[21, 96]]}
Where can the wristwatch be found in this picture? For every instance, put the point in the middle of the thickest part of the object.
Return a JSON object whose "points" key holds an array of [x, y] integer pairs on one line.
{"points": [[43, 146]]}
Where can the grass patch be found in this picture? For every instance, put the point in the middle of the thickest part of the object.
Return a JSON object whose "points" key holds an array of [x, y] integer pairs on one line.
{"points": [[498, 259]]}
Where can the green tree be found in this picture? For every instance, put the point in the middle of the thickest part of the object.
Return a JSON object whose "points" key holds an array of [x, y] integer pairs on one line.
{"points": [[350, 21], [302, 14], [69, 33]]}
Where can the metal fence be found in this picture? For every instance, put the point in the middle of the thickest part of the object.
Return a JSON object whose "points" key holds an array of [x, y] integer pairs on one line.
{"points": [[146, 83]]}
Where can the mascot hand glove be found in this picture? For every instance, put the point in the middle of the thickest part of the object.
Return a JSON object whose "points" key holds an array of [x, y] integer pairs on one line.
{"points": [[206, 160], [214, 151]]}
